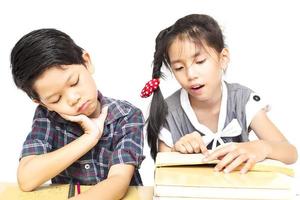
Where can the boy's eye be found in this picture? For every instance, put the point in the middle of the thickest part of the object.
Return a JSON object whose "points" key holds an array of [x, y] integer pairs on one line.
{"points": [[74, 84], [57, 100]]}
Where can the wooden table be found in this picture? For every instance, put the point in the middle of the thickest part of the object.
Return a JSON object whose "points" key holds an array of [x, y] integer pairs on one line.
{"points": [[11, 191]]}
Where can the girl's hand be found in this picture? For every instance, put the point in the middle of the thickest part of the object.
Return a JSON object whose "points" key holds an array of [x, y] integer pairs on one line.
{"points": [[91, 126], [235, 154], [190, 143]]}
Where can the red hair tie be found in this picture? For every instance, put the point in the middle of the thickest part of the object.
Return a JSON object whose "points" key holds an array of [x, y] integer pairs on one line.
{"points": [[150, 87]]}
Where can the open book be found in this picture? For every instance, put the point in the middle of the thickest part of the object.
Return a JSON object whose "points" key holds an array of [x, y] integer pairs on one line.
{"points": [[186, 176], [204, 182], [177, 159]]}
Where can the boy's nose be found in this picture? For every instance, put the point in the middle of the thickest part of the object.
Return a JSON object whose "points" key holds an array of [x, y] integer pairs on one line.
{"points": [[73, 98]]}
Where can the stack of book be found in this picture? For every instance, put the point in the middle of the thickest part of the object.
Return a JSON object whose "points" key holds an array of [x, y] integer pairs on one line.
{"points": [[186, 177]]}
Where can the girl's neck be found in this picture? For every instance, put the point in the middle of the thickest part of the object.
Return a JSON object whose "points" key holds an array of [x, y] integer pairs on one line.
{"points": [[211, 105], [207, 112]]}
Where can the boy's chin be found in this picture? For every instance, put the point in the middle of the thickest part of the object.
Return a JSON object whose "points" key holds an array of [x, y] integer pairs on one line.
{"points": [[68, 114], [92, 114]]}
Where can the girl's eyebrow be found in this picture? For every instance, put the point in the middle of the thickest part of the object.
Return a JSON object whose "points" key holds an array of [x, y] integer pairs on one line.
{"points": [[68, 79], [198, 53]]}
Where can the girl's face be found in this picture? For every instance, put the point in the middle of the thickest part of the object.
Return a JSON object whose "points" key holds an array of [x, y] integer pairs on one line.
{"points": [[198, 70], [68, 89]]}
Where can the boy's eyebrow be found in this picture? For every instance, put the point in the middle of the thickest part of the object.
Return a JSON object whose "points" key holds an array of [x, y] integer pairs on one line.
{"points": [[179, 61], [51, 95]]}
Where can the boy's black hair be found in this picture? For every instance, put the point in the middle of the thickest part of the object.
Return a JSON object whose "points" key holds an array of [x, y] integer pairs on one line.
{"points": [[200, 29], [38, 51]]}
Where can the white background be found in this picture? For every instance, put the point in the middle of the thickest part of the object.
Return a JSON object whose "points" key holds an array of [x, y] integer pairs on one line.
{"points": [[263, 37]]}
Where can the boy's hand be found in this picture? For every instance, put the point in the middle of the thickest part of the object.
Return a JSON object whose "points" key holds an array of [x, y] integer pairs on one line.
{"points": [[235, 154], [91, 126], [191, 143]]}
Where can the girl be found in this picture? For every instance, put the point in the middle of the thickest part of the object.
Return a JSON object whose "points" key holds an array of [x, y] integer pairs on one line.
{"points": [[208, 111]]}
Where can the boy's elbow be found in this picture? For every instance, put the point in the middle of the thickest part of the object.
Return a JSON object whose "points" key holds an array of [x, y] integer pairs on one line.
{"points": [[25, 182], [26, 175], [25, 186]]}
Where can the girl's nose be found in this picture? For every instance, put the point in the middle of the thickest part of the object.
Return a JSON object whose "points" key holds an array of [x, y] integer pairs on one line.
{"points": [[191, 73]]}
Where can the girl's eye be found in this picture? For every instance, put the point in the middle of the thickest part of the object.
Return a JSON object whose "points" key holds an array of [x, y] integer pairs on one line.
{"points": [[200, 61], [178, 68], [74, 84]]}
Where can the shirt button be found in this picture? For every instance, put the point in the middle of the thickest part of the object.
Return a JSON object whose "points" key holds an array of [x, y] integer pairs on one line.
{"points": [[87, 166], [256, 97]]}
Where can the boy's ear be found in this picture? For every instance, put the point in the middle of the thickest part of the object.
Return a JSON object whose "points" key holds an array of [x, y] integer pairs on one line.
{"points": [[225, 58], [40, 103], [87, 62], [36, 101]]}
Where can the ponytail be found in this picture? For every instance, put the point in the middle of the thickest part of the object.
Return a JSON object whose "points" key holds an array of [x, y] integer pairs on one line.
{"points": [[158, 107], [156, 119]]}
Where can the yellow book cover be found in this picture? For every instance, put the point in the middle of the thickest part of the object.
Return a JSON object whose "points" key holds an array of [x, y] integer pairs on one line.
{"points": [[177, 159], [204, 182]]}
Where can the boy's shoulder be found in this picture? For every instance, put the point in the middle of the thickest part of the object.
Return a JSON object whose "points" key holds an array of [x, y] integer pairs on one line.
{"points": [[43, 114], [119, 108]]}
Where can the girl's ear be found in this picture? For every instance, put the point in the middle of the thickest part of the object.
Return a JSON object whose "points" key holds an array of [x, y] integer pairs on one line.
{"points": [[87, 62], [225, 59]]}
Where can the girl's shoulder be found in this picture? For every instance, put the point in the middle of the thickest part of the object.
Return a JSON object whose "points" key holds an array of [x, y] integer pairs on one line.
{"points": [[173, 101], [237, 93], [236, 87]]}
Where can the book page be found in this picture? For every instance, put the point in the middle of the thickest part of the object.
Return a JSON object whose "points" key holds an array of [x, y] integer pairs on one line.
{"points": [[176, 159]]}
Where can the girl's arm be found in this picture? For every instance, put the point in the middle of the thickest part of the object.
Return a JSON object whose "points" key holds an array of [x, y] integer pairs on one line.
{"points": [[271, 144], [163, 147], [189, 143], [277, 146]]}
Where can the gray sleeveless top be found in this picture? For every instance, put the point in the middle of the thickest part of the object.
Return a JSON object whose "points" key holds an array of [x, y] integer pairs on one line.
{"points": [[178, 123]]}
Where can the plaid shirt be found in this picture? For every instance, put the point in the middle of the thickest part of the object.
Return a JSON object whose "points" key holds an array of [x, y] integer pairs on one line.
{"points": [[121, 142]]}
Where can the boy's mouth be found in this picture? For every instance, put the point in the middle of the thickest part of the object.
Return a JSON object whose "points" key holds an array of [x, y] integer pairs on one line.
{"points": [[83, 107]]}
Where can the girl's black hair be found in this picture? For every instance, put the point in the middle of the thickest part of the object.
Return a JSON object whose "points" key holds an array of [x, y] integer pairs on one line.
{"points": [[38, 51], [199, 29]]}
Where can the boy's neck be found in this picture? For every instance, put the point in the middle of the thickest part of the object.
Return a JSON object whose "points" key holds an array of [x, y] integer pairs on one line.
{"points": [[97, 111]]}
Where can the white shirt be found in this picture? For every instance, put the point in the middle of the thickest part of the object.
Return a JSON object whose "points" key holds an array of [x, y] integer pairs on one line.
{"points": [[252, 107]]}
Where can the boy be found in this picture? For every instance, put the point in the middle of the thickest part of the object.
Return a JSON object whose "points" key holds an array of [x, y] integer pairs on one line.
{"points": [[76, 133]]}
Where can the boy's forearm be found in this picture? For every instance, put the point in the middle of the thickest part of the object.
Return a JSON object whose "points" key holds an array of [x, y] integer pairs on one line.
{"points": [[282, 151], [114, 187], [34, 172]]}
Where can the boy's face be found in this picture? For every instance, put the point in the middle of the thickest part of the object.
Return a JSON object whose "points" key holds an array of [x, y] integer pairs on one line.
{"points": [[68, 89]]}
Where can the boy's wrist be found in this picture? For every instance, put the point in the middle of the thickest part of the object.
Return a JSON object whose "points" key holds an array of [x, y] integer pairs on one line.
{"points": [[90, 138]]}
